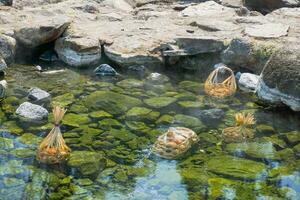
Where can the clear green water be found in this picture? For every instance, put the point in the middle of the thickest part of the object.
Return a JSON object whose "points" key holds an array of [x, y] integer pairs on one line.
{"points": [[111, 156]]}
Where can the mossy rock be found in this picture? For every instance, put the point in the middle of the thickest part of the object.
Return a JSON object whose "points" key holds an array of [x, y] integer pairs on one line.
{"points": [[275, 141], [139, 127], [23, 153], [186, 96], [141, 114], [259, 150], [30, 140], [191, 86], [160, 102], [292, 137], [63, 100], [100, 115], [264, 129], [87, 162], [138, 143], [190, 104], [12, 127], [130, 83], [297, 149], [122, 155], [122, 135], [165, 120], [78, 108], [187, 121], [236, 167], [6, 143], [110, 102], [75, 120], [107, 124]]}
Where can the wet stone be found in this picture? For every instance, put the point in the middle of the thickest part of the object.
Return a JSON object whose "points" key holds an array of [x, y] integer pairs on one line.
{"points": [[31, 112], [160, 102], [38, 95]]}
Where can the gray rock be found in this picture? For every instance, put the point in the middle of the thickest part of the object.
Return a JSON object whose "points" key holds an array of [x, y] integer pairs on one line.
{"points": [[31, 112], [49, 56], [105, 70], [157, 78], [7, 48], [3, 88], [248, 82], [6, 2], [38, 95], [267, 5], [119, 4], [3, 65], [281, 78], [78, 52], [269, 30]]}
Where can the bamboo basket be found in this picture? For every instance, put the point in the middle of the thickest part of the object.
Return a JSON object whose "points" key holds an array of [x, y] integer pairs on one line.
{"points": [[53, 148], [242, 130], [175, 143], [220, 87]]}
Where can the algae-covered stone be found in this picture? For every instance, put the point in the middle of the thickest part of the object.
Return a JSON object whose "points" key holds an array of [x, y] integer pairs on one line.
{"points": [[130, 83], [122, 155], [260, 150], [190, 104], [107, 124], [75, 120], [297, 149], [30, 139], [139, 127], [292, 137], [236, 167], [265, 129], [141, 113], [111, 102], [100, 115], [191, 86], [87, 162], [12, 182], [186, 96], [23, 153], [160, 102], [138, 143], [165, 120], [6, 143], [187, 121], [122, 135], [78, 108], [63, 100]]}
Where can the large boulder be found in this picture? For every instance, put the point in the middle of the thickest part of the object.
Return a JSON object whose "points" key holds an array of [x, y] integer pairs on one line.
{"points": [[281, 78], [269, 5], [41, 31], [7, 48], [78, 52]]}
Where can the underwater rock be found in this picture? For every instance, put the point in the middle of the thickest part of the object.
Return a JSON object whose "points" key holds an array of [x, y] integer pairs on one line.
{"points": [[75, 120], [63, 100], [248, 82], [107, 124], [236, 167], [165, 120], [264, 129], [259, 150], [191, 86], [137, 70], [160, 102], [100, 115], [38, 95], [105, 70], [31, 112], [157, 78], [292, 137], [6, 143], [29, 140], [122, 155], [190, 104], [130, 83], [141, 114], [297, 150], [122, 135], [78, 51], [111, 102], [211, 114], [87, 162], [187, 121], [139, 127]]}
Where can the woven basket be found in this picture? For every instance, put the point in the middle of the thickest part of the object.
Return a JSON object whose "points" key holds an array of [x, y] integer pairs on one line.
{"points": [[172, 148], [220, 87]]}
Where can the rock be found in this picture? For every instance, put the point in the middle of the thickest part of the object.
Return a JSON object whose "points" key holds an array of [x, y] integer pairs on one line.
{"points": [[119, 4], [165, 120], [3, 65], [130, 83], [187, 121], [142, 114], [191, 86], [75, 120], [78, 52], [3, 88], [209, 116], [137, 70], [107, 124], [157, 78], [48, 56], [100, 115], [63, 100], [267, 5], [281, 78], [111, 102], [29, 140], [257, 150], [37, 33], [160, 102], [236, 167], [6, 2], [248, 82], [292, 137], [297, 149], [31, 112], [269, 30], [105, 70], [87, 162], [190, 104], [264, 129], [38, 95], [6, 143], [7, 48]]}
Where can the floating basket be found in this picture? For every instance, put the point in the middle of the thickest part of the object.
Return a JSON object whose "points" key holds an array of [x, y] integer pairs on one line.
{"points": [[175, 142], [241, 131], [219, 86], [53, 148]]}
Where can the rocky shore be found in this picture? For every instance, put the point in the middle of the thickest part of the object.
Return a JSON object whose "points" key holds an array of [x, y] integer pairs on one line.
{"points": [[189, 34]]}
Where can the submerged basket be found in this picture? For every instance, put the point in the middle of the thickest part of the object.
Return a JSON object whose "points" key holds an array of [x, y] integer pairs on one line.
{"points": [[175, 142], [218, 86], [53, 148], [241, 131]]}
